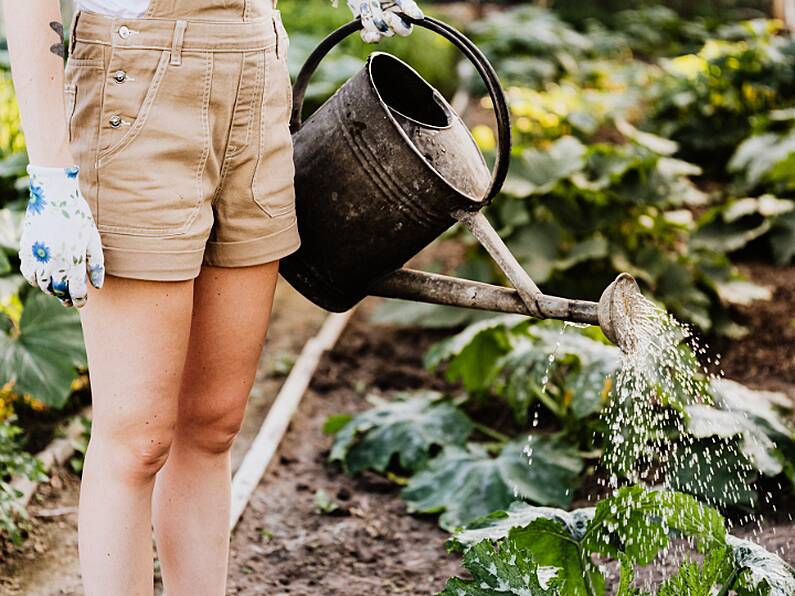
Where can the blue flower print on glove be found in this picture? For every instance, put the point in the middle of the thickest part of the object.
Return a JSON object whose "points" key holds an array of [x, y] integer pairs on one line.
{"points": [[60, 249]]}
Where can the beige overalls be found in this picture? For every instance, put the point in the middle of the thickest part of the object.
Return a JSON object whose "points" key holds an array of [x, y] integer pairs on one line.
{"points": [[179, 121]]}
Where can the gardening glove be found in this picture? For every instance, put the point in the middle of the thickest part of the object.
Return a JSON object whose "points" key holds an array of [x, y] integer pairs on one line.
{"points": [[380, 17], [60, 246]]}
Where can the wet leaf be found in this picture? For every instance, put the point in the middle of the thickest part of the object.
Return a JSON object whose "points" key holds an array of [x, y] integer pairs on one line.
{"points": [[506, 568], [763, 572]]}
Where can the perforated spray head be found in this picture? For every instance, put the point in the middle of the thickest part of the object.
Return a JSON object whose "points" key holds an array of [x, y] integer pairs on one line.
{"points": [[619, 309]]}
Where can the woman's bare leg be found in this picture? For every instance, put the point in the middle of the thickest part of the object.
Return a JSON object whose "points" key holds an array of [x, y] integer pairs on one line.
{"points": [[136, 335], [231, 309]]}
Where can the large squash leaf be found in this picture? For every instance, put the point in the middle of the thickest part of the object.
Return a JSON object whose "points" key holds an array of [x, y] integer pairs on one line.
{"points": [[750, 415], [408, 427], [763, 572], [464, 483], [39, 353], [497, 525], [637, 523], [507, 568]]}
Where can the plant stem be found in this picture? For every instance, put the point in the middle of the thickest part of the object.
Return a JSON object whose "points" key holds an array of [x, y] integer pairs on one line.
{"points": [[724, 591], [491, 433]]}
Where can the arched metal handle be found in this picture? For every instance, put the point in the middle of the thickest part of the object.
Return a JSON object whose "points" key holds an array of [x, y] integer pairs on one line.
{"points": [[469, 49]]}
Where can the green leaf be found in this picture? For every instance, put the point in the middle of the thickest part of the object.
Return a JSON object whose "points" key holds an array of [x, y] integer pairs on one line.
{"points": [[782, 238], [749, 414], [497, 525], [336, 423], [637, 522], [552, 545], [408, 427], [473, 353], [40, 355], [324, 503], [693, 579], [763, 572], [715, 471], [506, 568], [466, 483], [626, 578], [535, 171]]}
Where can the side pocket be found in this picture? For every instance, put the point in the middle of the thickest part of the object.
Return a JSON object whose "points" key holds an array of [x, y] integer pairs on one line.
{"points": [[70, 99], [272, 185]]}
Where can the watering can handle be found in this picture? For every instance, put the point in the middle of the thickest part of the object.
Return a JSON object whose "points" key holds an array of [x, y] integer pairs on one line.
{"points": [[469, 49]]}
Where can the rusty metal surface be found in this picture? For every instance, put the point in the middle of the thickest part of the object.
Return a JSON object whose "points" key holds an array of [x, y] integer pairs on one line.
{"points": [[366, 196], [433, 288]]}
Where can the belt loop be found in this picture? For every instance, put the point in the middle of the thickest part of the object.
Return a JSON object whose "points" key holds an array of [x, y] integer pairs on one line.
{"points": [[176, 44], [72, 29]]}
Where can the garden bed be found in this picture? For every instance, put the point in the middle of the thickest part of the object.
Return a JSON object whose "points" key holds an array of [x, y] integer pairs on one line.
{"points": [[286, 545]]}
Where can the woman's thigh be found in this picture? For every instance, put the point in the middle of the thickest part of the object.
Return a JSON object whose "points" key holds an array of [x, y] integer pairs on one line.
{"points": [[231, 310], [136, 334]]}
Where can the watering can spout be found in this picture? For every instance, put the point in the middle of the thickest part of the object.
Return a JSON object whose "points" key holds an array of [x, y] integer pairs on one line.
{"points": [[613, 312]]}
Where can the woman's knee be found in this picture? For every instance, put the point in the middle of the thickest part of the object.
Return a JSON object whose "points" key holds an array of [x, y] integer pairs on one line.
{"points": [[138, 452], [212, 435]]}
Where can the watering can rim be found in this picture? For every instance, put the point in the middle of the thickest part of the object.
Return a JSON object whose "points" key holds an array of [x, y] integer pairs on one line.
{"points": [[470, 51], [445, 104], [452, 118]]}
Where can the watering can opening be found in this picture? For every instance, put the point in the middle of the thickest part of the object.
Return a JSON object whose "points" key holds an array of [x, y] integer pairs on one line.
{"points": [[430, 127], [406, 93]]}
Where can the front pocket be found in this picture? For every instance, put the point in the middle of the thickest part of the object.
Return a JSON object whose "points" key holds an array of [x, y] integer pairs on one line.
{"points": [[272, 185], [133, 81], [151, 174]]}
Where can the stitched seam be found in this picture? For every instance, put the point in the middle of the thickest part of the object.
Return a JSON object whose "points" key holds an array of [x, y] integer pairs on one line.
{"points": [[235, 151], [220, 48], [200, 167], [111, 152], [266, 88]]}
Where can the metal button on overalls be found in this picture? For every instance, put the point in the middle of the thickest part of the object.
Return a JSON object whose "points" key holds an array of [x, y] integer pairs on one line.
{"points": [[120, 76], [115, 121]]}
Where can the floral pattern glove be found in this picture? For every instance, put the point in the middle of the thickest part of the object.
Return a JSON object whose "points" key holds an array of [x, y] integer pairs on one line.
{"points": [[380, 17], [60, 248]]}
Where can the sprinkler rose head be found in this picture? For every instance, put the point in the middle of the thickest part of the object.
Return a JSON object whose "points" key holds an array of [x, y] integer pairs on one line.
{"points": [[619, 311]]}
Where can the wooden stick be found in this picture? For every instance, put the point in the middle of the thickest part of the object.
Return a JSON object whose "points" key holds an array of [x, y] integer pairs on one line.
{"points": [[262, 449]]}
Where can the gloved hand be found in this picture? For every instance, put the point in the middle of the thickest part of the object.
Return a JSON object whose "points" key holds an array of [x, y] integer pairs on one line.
{"points": [[380, 18], [60, 245]]}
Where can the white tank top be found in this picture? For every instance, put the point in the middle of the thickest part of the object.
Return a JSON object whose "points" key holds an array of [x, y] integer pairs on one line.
{"points": [[116, 8]]}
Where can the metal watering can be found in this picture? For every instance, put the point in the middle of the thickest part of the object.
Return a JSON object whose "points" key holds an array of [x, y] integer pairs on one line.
{"points": [[384, 167]]}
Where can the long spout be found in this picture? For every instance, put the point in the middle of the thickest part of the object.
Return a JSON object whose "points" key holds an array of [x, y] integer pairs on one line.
{"points": [[433, 288], [613, 312]]}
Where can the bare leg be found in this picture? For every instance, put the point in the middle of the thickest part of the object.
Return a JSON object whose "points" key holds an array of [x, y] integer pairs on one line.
{"points": [[136, 335], [191, 504]]}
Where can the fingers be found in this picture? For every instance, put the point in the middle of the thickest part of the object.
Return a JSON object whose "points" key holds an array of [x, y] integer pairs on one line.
{"points": [[409, 8], [373, 25], [78, 285], [397, 24], [95, 261], [27, 269]]}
